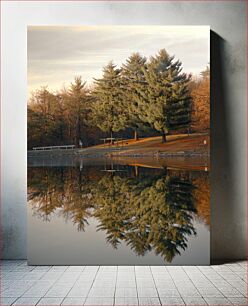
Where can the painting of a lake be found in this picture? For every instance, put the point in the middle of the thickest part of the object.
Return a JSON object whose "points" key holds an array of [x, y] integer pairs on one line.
{"points": [[118, 130]]}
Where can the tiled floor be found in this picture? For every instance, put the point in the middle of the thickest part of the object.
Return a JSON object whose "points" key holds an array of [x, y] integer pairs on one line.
{"points": [[123, 285]]}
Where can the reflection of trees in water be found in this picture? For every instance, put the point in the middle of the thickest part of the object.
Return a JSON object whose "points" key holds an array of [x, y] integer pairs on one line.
{"points": [[202, 197], [65, 191], [154, 211]]}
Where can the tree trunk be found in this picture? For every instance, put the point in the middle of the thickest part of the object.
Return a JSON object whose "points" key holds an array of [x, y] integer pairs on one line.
{"points": [[111, 136], [165, 170], [136, 171], [78, 133], [136, 136], [163, 137], [189, 130]]}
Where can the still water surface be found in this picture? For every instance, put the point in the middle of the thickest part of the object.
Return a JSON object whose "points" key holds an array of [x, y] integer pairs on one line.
{"points": [[96, 211]]}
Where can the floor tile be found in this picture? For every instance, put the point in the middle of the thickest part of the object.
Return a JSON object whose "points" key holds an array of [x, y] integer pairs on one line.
{"points": [[50, 301], [125, 269], [73, 301], [145, 283], [210, 292], [164, 292], [149, 301], [79, 291], [75, 269], [7, 301], [99, 301], [125, 283], [239, 301], [37, 290], [171, 301], [126, 301], [147, 292], [126, 292], [27, 301], [102, 292], [217, 301], [194, 301], [229, 291], [58, 291]]}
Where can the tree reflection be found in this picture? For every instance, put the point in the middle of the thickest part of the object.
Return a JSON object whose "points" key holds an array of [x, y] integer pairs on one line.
{"points": [[154, 211], [60, 190], [151, 213]]}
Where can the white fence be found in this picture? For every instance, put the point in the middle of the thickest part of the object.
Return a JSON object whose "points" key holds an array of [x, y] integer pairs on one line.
{"points": [[65, 147]]}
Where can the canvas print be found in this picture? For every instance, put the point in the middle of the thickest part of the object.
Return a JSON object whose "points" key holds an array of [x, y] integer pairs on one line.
{"points": [[118, 145]]}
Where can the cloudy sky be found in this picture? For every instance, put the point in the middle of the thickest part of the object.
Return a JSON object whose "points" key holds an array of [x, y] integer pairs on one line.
{"points": [[57, 54]]}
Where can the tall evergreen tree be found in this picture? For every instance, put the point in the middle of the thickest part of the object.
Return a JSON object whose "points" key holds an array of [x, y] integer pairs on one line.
{"points": [[108, 111], [167, 105], [77, 104], [133, 80]]}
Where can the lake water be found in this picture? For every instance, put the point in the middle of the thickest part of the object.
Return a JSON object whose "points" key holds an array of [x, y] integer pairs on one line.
{"points": [[118, 212]]}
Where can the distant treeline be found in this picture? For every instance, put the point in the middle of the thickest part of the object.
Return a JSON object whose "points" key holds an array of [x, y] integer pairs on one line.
{"points": [[141, 98]]}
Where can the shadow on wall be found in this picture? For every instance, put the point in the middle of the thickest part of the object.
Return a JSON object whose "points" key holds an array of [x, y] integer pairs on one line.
{"points": [[223, 227]]}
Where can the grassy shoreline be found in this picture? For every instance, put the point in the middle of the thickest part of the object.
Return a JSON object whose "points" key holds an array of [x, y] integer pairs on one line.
{"points": [[193, 145]]}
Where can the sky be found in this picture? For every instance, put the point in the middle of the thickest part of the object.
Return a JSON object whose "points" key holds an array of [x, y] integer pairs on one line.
{"points": [[57, 54]]}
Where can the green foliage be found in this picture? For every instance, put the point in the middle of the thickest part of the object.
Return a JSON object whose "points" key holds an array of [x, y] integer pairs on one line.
{"points": [[108, 111], [144, 96], [132, 81], [76, 102], [167, 103], [152, 213]]}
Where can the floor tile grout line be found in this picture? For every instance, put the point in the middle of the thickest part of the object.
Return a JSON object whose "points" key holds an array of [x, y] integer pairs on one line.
{"points": [[73, 284], [26, 291], [192, 283], [43, 295], [174, 283], [236, 304], [47, 289], [155, 285], [135, 277], [210, 281], [234, 287], [237, 273], [87, 295], [14, 301], [116, 283], [230, 284]]}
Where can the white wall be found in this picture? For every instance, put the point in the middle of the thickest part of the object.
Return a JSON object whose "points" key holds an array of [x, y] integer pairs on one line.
{"points": [[229, 96]]}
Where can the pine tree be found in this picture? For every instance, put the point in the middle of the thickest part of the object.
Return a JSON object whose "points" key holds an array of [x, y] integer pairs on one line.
{"points": [[108, 111], [133, 79], [167, 105], [77, 104]]}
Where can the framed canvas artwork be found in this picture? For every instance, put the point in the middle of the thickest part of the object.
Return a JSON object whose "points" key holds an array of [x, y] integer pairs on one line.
{"points": [[118, 145]]}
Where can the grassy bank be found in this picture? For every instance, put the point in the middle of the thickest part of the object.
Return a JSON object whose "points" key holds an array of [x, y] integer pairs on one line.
{"points": [[183, 144]]}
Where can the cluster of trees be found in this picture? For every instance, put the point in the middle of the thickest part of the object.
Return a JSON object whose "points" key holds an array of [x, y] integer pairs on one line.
{"points": [[200, 93], [154, 211], [147, 97]]}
